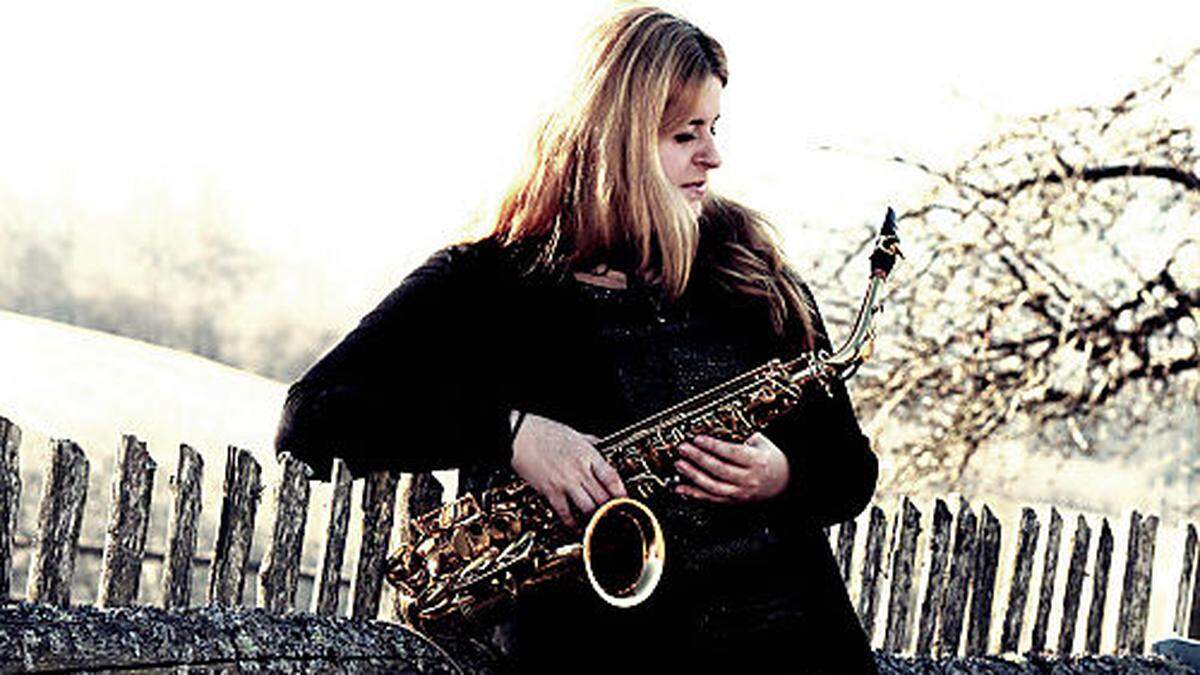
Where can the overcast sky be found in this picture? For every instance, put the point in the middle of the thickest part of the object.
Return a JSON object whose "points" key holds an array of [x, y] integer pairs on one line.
{"points": [[372, 132]]}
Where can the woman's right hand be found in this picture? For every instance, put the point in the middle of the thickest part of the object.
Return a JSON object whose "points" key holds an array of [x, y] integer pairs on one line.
{"points": [[564, 467]]}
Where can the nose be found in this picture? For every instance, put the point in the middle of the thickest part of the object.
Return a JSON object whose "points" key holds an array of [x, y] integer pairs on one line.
{"points": [[708, 156]]}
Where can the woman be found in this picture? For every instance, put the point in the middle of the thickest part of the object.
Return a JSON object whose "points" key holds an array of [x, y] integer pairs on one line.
{"points": [[615, 285]]}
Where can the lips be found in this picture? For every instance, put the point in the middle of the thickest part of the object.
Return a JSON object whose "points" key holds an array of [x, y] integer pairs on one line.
{"points": [[694, 189]]}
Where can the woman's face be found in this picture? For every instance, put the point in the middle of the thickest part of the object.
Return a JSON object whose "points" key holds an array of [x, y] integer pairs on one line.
{"points": [[689, 150]]}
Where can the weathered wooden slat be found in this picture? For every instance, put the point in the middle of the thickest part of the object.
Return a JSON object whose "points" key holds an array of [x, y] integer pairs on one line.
{"points": [[1099, 589], [845, 548], [939, 549], [325, 599], [1193, 629], [983, 583], [59, 517], [1079, 551], [239, 505], [1135, 594], [379, 506], [868, 597], [900, 600], [1185, 581], [1018, 590], [962, 564], [10, 501], [181, 528], [280, 575], [128, 518], [1049, 573]]}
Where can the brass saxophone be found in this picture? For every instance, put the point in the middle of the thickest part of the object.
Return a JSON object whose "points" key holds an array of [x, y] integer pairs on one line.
{"points": [[475, 555]]}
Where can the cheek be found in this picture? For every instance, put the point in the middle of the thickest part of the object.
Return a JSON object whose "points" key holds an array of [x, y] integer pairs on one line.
{"points": [[673, 161]]}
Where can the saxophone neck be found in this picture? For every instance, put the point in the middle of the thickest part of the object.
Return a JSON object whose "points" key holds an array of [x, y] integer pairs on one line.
{"points": [[858, 346]]}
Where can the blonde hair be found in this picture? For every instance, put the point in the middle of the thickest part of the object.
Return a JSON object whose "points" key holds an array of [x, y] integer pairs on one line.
{"points": [[594, 191]]}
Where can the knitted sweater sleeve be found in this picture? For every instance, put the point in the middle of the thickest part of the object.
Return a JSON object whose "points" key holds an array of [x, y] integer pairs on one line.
{"points": [[832, 468], [416, 385]]}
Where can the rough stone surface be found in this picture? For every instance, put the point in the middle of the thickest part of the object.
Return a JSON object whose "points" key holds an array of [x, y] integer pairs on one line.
{"points": [[147, 639]]}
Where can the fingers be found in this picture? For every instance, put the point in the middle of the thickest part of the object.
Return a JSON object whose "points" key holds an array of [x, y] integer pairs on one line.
{"points": [[609, 478], [582, 500], [712, 464], [706, 483], [558, 502], [734, 453]]}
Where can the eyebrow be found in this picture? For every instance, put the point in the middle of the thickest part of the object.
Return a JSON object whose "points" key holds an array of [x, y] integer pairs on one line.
{"points": [[699, 122]]}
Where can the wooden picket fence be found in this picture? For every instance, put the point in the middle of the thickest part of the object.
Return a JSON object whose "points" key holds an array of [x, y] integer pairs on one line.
{"points": [[960, 570]]}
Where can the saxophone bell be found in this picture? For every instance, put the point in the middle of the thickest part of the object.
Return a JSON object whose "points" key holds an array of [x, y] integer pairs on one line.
{"points": [[624, 552]]}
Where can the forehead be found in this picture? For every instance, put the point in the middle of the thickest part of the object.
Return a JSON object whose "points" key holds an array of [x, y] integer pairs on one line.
{"points": [[699, 103]]}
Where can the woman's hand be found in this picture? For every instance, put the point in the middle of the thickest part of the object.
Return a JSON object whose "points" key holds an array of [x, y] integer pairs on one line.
{"points": [[719, 471], [564, 467]]}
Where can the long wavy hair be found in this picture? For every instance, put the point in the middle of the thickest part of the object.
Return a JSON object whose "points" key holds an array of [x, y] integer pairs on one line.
{"points": [[594, 192]]}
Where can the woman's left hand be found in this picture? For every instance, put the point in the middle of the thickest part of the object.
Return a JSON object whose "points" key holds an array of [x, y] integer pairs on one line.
{"points": [[719, 471]]}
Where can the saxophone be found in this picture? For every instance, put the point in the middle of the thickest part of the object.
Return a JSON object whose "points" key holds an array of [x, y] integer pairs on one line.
{"points": [[473, 556]]}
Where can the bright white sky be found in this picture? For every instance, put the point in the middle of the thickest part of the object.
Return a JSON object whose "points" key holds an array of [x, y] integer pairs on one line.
{"points": [[371, 132]]}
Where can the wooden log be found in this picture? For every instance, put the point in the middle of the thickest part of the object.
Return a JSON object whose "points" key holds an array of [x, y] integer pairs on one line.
{"points": [[845, 548], [868, 597], [181, 528], [1049, 572], [10, 501], [379, 505], [1185, 581], [325, 600], [983, 583], [128, 518], [900, 600], [280, 575], [243, 489], [59, 517], [962, 564], [220, 640], [1018, 590], [1075, 572], [1099, 589], [1135, 591], [939, 548]]}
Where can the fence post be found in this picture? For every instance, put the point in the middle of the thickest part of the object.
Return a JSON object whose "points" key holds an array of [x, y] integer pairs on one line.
{"points": [[896, 638], [243, 489], [1049, 572], [845, 548], [325, 600], [181, 529], [962, 562], [1135, 591], [1185, 581], [59, 517], [1018, 590], [939, 547], [983, 583], [10, 501], [128, 517], [868, 596], [280, 575], [1079, 551], [379, 505], [1099, 588]]}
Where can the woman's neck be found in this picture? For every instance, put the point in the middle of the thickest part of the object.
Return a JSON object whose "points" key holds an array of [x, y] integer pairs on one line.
{"points": [[603, 276]]}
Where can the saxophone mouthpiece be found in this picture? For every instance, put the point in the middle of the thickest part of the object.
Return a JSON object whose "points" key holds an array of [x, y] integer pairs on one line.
{"points": [[887, 247]]}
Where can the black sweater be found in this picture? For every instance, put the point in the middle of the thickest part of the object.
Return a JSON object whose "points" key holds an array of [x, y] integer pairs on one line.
{"points": [[427, 380]]}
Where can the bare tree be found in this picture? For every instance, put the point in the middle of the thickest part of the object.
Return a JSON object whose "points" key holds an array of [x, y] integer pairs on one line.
{"points": [[1054, 291]]}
